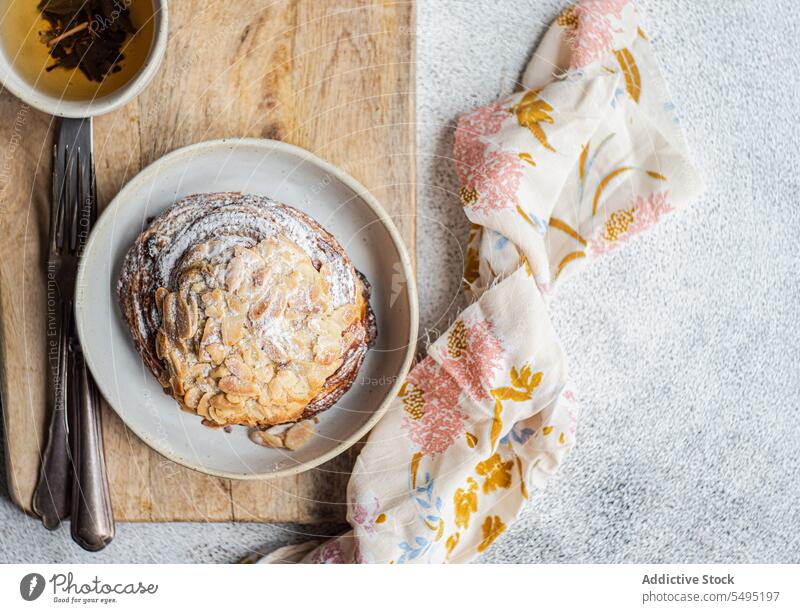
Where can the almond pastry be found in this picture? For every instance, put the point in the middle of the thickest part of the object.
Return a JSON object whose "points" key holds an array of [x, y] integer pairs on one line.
{"points": [[246, 311]]}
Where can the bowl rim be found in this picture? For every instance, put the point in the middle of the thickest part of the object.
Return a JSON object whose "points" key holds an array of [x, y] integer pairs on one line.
{"points": [[61, 107], [145, 175]]}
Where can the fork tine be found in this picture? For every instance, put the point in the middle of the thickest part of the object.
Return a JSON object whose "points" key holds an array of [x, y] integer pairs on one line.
{"points": [[92, 190], [84, 198], [71, 201], [80, 196], [61, 186], [64, 206], [55, 204]]}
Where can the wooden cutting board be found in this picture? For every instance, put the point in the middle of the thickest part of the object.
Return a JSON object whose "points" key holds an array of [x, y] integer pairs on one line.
{"points": [[335, 78]]}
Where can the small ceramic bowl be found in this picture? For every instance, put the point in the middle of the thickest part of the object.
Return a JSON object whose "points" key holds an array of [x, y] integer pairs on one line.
{"points": [[60, 107]]}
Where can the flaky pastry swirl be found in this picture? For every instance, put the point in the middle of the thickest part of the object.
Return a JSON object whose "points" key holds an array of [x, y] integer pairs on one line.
{"points": [[246, 310]]}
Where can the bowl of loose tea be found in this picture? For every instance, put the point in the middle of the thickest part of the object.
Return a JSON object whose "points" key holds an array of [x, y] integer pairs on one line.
{"points": [[80, 58]]}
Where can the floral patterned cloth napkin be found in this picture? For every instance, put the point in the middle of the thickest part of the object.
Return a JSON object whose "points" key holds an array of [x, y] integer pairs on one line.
{"points": [[587, 156]]}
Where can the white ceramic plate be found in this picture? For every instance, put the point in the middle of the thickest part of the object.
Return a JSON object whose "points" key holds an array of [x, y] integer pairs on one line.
{"points": [[295, 177]]}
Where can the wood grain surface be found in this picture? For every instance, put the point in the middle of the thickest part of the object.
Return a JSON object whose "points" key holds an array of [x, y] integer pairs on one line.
{"points": [[333, 77]]}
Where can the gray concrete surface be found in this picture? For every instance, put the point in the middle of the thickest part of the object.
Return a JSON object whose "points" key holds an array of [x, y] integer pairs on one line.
{"points": [[684, 346]]}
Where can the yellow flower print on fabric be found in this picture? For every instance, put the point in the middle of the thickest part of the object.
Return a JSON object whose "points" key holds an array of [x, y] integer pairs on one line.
{"points": [[457, 339], [496, 472], [413, 400], [633, 81], [618, 223], [523, 382], [415, 459], [465, 502], [492, 527], [568, 19], [531, 112], [468, 195], [450, 544], [523, 490]]}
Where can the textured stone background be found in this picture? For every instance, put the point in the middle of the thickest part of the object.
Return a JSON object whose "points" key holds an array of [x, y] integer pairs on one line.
{"points": [[684, 346]]}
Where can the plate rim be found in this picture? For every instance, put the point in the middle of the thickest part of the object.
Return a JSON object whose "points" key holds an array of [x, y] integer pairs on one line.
{"points": [[145, 175]]}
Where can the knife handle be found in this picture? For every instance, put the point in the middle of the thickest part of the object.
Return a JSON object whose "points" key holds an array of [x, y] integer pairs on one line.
{"points": [[92, 517], [51, 499]]}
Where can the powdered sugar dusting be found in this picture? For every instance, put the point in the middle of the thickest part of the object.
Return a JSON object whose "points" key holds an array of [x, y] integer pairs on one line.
{"points": [[234, 220], [231, 221]]}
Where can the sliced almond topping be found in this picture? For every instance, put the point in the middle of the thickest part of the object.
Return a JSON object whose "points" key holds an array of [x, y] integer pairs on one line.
{"points": [[259, 309], [183, 324], [217, 353], [161, 292], [232, 329], [202, 405], [265, 374], [220, 357], [260, 280], [265, 439], [213, 303], [210, 332], [298, 435], [280, 386], [278, 304], [345, 315], [177, 387], [267, 246], [199, 370], [239, 368], [161, 344], [177, 363], [192, 397], [219, 372], [236, 304], [252, 355], [314, 292], [316, 375], [298, 392], [234, 385], [220, 401], [194, 314], [168, 308], [234, 275], [327, 349]]}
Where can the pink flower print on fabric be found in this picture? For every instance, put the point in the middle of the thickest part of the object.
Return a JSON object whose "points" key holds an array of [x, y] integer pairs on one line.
{"points": [[625, 223], [431, 416], [489, 176], [494, 184], [329, 553], [469, 147], [593, 35], [473, 355], [467, 362], [365, 514]]}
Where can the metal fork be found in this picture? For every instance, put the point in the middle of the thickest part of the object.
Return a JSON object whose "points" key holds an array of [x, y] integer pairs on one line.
{"points": [[75, 436], [92, 518], [52, 497]]}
